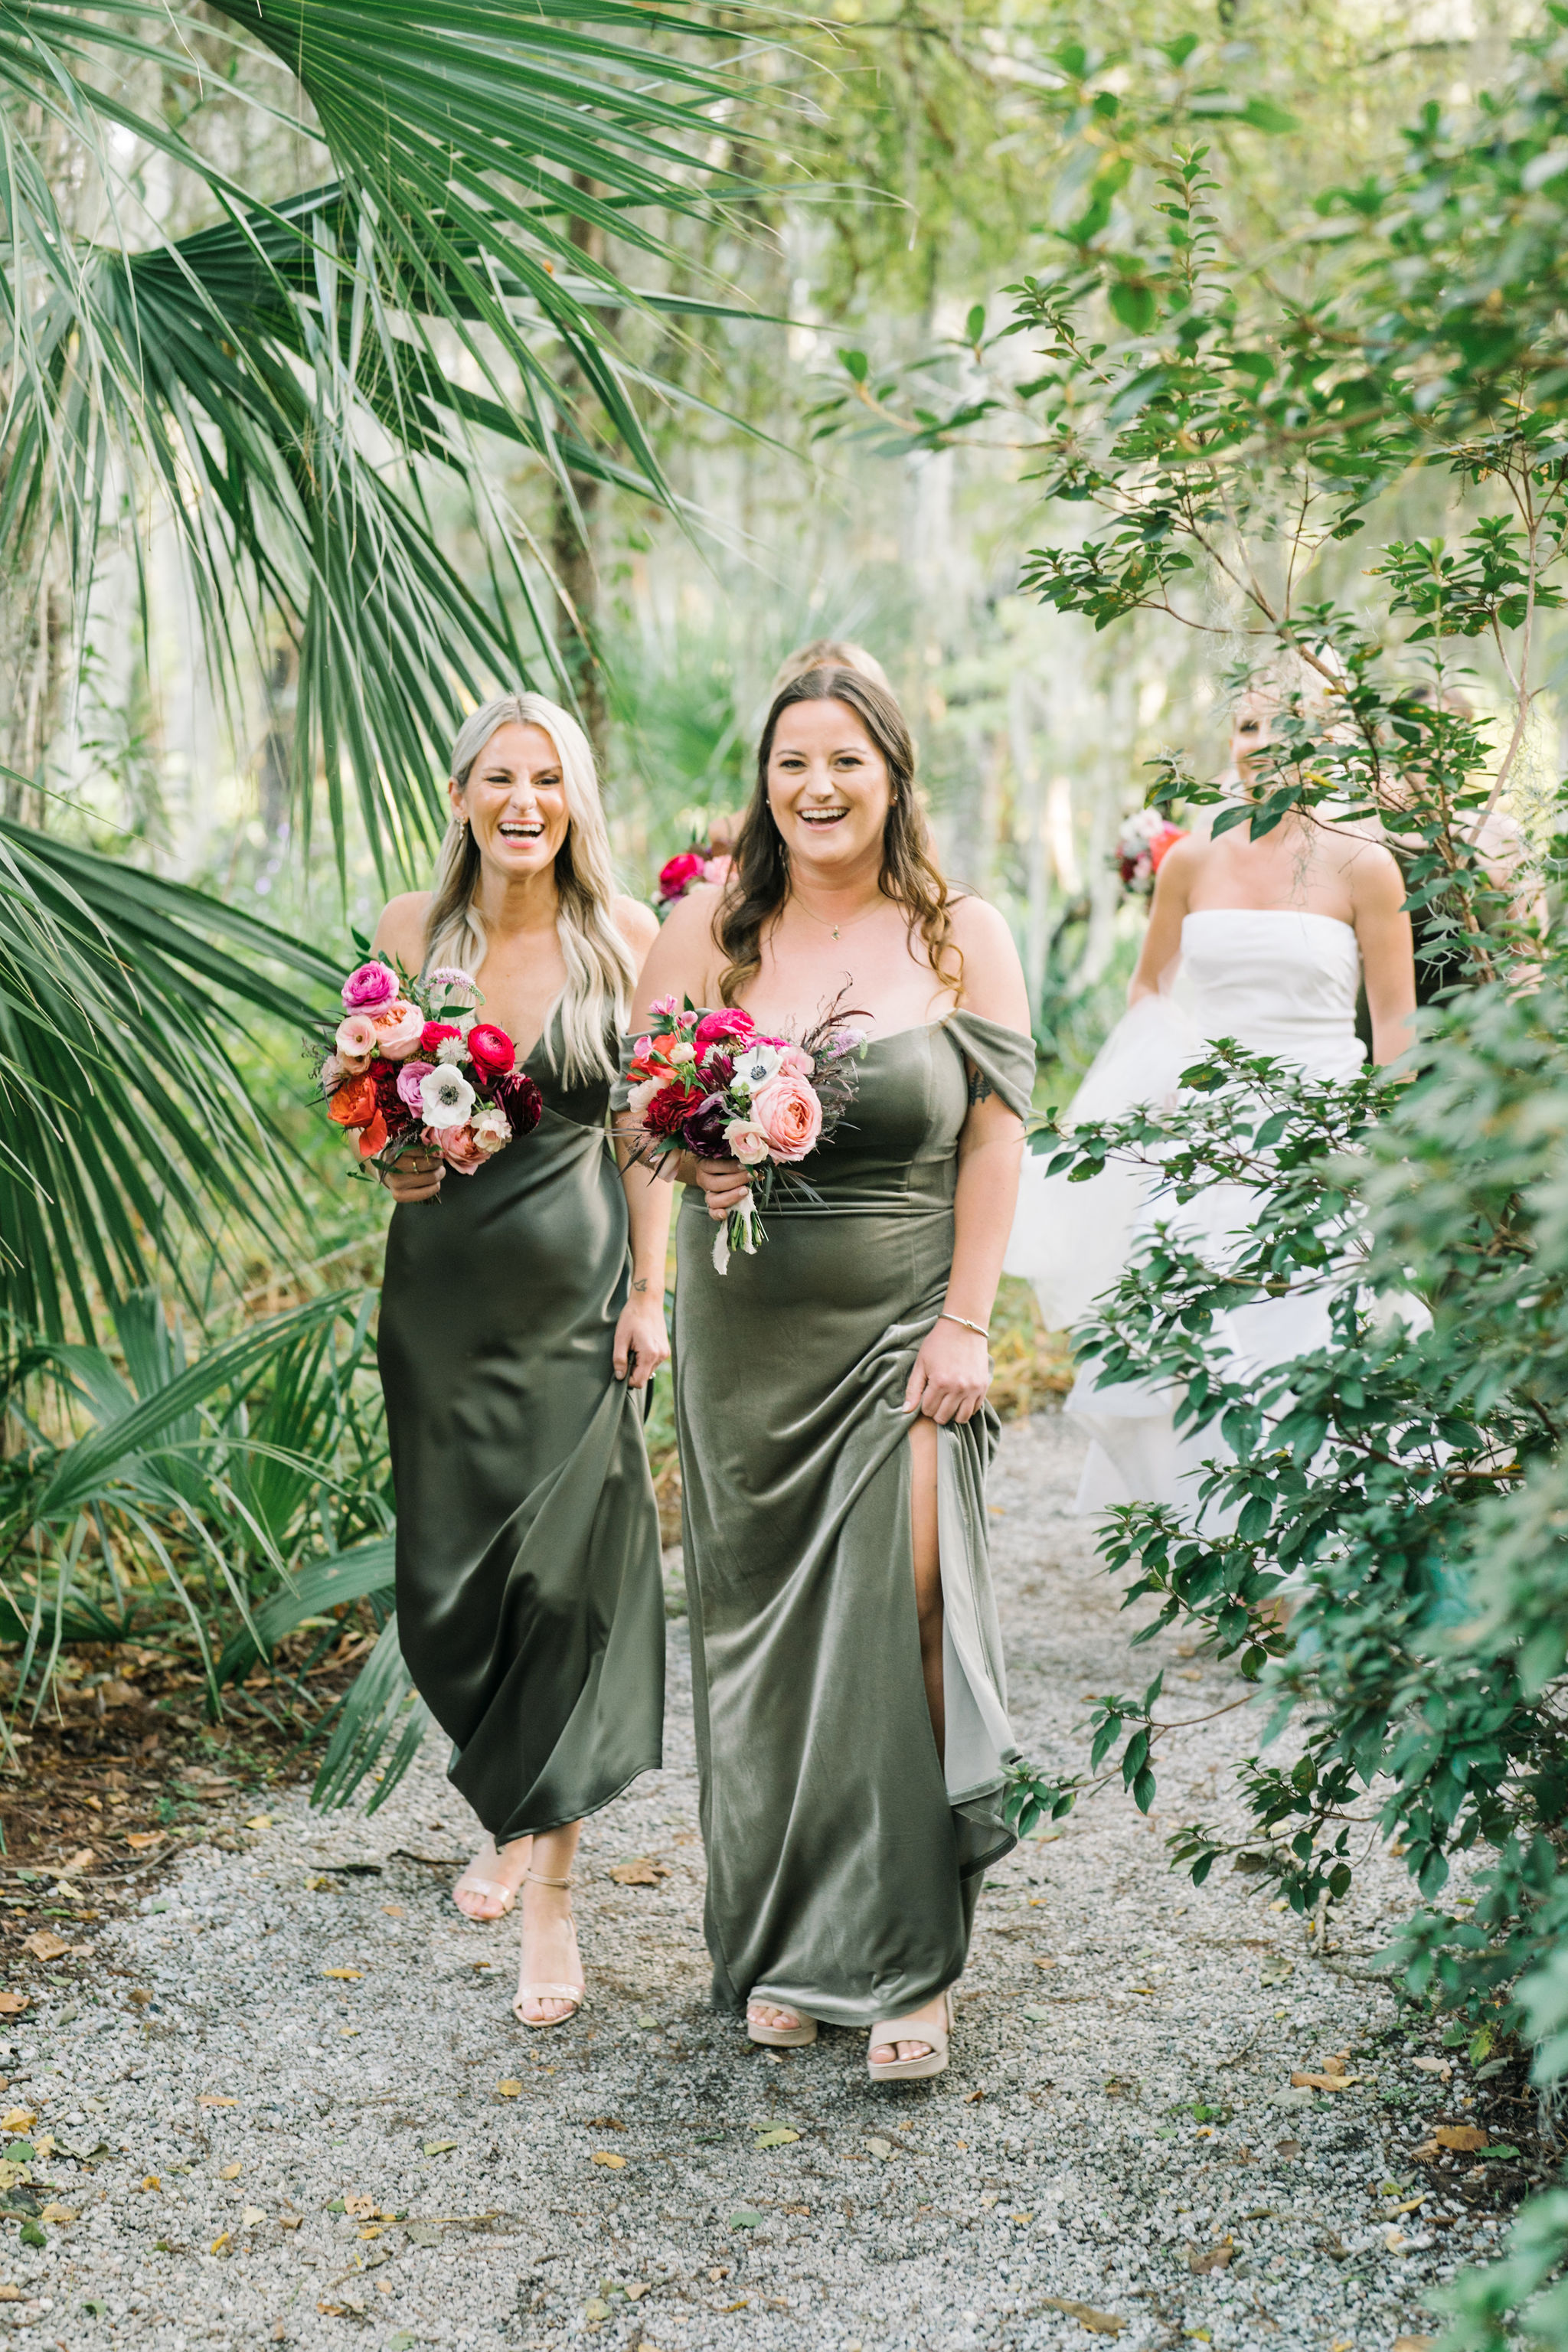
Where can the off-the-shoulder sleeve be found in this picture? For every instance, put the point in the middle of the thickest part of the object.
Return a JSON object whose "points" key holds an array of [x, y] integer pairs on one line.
{"points": [[620, 1087], [1002, 1054]]}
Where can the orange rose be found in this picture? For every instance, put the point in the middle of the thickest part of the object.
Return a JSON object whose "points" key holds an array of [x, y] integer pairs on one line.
{"points": [[354, 1104]]}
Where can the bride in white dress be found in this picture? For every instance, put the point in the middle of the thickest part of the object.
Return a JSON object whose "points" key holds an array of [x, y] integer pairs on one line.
{"points": [[1271, 940]]}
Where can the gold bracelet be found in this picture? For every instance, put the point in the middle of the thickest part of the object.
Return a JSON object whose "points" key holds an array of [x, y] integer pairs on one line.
{"points": [[947, 1316]]}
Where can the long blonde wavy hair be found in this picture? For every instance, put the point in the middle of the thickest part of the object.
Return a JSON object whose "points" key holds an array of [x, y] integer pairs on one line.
{"points": [[599, 973]]}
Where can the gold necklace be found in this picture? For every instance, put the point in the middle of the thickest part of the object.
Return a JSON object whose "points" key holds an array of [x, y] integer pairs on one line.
{"points": [[833, 927]]}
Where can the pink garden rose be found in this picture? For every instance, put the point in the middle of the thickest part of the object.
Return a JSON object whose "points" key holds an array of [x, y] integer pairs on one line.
{"points": [[408, 1078], [457, 1147], [714, 1028], [788, 1113], [747, 1141], [718, 870], [793, 1058], [399, 1026], [332, 1073], [356, 1042], [368, 988]]}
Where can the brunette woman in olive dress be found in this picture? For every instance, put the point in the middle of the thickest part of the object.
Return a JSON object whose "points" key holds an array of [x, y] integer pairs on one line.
{"points": [[518, 1332], [830, 1393]]}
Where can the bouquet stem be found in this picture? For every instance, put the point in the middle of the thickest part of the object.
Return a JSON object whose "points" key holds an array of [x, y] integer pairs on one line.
{"points": [[742, 1230]]}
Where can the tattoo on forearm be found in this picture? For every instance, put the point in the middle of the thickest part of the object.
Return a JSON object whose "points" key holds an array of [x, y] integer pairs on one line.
{"points": [[639, 1282], [979, 1088]]}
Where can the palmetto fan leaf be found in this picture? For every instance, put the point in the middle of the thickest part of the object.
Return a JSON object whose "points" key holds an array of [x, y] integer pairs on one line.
{"points": [[286, 379], [124, 1117]]}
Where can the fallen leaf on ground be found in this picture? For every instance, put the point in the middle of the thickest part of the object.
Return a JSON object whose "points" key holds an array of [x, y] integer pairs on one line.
{"points": [[644, 1871], [636, 2288], [439, 2147], [44, 1944], [213, 2099], [229, 2172], [1098, 2323], [881, 2148], [1413, 2344], [1045, 1964], [83, 1859], [746, 2217], [1432, 2066], [12, 2004], [259, 1822], [140, 1839], [361, 2207], [606, 2122], [1201, 2259], [1304, 2082], [1461, 2136], [1275, 1969], [290, 2220], [251, 2215], [152, 2182], [607, 2157], [972, 2098], [344, 1976], [18, 2120], [10, 2292], [1288, 2148], [395, 1910], [218, 2244], [58, 2213], [509, 2089], [777, 2135], [139, 1996]]}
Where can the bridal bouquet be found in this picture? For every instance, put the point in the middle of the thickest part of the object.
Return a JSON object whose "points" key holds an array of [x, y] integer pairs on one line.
{"points": [[1141, 846], [407, 1067], [713, 1084]]}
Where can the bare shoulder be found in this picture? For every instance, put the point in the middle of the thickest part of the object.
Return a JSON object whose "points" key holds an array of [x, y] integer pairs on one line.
{"points": [[637, 923], [685, 957], [993, 976], [1361, 854], [401, 930]]}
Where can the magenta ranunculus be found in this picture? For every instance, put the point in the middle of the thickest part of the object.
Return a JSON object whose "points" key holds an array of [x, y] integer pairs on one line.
{"points": [[677, 875], [408, 1077], [369, 987], [716, 1026]]}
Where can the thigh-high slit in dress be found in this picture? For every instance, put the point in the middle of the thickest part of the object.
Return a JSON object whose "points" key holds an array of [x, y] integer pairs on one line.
{"points": [[844, 1853], [530, 1595]]}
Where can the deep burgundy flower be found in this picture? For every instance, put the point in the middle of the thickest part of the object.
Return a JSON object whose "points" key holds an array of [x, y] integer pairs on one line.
{"points": [[704, 1129], [520, 1099], [670, 1109]]}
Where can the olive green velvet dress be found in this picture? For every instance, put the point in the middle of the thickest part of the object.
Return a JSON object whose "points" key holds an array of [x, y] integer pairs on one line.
{"points": [[530, 1598], [843, 1861]]}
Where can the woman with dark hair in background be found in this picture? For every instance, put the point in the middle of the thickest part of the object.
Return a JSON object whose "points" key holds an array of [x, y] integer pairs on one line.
{"points": [[835, 1436]]}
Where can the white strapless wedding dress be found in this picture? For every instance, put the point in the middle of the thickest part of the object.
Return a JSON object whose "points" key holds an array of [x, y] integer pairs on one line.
{"points": [[1281, 982]]}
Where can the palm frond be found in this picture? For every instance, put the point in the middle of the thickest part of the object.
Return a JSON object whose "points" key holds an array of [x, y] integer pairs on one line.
{"points": [[368, 1715], [126, 1114]]}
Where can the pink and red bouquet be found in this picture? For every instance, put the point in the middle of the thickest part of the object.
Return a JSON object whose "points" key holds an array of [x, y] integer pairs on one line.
{"points": [[712, 1084], [408, 1067], [1141, 846], [704, 862]]}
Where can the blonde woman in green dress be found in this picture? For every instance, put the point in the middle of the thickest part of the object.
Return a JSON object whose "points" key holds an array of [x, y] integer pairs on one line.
{"points": [[831, 1397]]}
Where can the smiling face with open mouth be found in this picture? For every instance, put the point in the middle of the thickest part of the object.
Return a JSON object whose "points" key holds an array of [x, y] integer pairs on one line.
{"points": [[515, 801], [828, 789]]}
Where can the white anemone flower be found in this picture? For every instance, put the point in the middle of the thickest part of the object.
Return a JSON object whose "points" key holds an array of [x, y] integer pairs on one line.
{"points": [[756, 1065], [446, 1097]]}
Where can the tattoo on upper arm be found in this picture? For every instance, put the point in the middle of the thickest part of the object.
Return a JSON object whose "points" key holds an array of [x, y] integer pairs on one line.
{"points": [[980, 1086]]}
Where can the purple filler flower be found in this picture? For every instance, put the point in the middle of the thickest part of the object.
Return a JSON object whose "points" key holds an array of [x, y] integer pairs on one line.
{"points": [[704, 1130]]}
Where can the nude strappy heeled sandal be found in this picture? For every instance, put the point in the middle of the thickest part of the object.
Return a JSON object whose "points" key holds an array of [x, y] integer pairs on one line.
{"points": [[576, 1994], [781, 2037], [485, 1887], [889, 2032]]}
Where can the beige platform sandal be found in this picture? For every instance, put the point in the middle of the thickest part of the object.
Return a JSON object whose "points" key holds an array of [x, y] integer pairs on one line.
{"points": [[576, 1994], [889, 2032], [781, 2037]]}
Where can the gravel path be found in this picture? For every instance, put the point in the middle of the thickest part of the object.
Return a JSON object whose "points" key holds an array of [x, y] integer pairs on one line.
{"points": [[315, 2123]]}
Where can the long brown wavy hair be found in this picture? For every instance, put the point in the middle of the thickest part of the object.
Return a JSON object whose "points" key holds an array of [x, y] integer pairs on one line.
{"points": [[910, 874]]}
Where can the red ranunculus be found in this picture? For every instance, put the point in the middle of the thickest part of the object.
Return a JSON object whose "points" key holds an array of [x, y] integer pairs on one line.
{"points": [[432, 1034], [677, 875], [669, 1109], [713, 1026], [491, 1050]]}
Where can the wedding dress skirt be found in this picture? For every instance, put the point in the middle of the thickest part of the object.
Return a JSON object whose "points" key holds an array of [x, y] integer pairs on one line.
{"points": [[1281, 982]]}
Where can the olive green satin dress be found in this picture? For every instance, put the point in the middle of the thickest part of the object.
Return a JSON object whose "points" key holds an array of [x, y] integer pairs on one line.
{"points": [[843, 1861], [530, 1599]]}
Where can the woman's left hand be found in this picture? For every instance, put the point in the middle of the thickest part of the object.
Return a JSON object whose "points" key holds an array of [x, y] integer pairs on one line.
{"points": [[952, 1374], [642, 1343]]}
